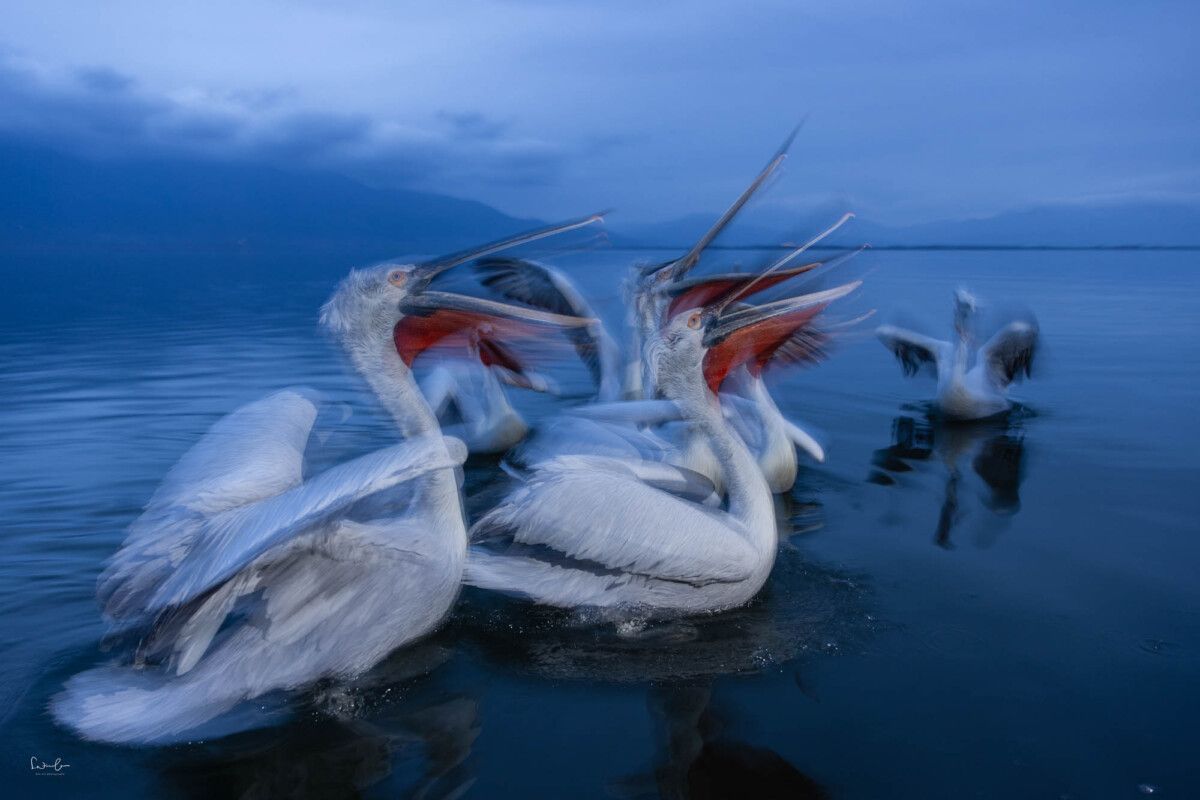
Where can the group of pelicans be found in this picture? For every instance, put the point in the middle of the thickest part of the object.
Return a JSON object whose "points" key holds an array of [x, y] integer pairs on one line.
{"points": [[244, 577]]}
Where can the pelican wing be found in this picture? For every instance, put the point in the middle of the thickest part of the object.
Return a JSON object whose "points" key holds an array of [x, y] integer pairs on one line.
{"points": [[914, 351], [249, 455], [546, 288], [253, 453], [302, 584], [1009, 354], [534, 284], [631, 412], [618, 522], [231, 540], [199, 553], [679, 481], [570, 434]]}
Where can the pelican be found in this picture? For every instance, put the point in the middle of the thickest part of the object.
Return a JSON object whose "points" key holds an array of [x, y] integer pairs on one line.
{"points": [[589, 532], [659, 292], [654, 294], [251, 579], [967, 391]]}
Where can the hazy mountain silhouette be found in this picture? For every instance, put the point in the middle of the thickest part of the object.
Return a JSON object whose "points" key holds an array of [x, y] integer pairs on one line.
{"points": [[1157, 224], [49, 200]]}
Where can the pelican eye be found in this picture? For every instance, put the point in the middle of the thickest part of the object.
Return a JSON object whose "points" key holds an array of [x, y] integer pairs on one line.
{"points": [[694, 321], [397, 277]]}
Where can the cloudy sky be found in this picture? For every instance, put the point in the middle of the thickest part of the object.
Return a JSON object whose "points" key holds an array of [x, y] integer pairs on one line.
{"points": [[914, 111]]}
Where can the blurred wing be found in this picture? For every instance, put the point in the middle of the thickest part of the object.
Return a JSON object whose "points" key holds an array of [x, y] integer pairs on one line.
{"points": [[253, 453], [618, 522], [533, 284], [231, 540], [574, 435], [631, 412], [1009, 354], [914, 351], [303, 585], [548, 289], [679, 481]]}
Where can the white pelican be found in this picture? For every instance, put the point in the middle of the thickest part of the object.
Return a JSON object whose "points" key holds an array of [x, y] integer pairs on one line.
{"points": [[607, 428], [588, 532], [967, 391], [655, 294], [251, 579]]}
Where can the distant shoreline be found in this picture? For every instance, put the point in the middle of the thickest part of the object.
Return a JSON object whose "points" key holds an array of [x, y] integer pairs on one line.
{"points": [[1184, 247], [368, 250]]}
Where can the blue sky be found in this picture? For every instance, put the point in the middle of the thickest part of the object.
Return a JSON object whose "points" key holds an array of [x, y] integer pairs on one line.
{"points": [[657, 108]]}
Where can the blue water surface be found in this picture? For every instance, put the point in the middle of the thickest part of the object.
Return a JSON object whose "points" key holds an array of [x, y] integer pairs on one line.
{"points": [[1002, 610]]}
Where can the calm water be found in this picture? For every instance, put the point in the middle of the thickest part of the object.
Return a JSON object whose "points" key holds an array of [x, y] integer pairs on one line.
{"points": [[992, 611]]}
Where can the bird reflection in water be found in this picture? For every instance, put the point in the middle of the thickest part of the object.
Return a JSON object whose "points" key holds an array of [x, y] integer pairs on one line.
{"points": [[696, 758], [994, 449]]}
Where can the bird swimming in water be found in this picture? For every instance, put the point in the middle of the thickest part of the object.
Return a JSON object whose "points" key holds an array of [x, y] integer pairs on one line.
{"points": [[655, 294], [244, 577], [971, 383], [614, 534]]}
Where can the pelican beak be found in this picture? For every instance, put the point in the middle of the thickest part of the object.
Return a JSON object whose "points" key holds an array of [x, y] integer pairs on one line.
{"points": [[433, 317], [430, 269], [680, 267], [754, 320], [430, 302], [751, 335], [700, 292]]}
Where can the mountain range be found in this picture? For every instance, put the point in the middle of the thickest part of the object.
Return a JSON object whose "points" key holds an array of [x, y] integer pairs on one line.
{"points": [[52, 201]]}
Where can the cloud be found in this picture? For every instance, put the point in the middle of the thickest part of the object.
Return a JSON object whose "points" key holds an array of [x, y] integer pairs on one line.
{"points": [[99, 111], [918, 111]]}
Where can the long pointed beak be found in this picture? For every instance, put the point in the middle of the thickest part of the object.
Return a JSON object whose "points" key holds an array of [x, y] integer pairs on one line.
{"points": [[700, 292], [439, 265], [446, 317], [426, 302], [752, 335], [756, 283], [679, 268], [747, 320]]}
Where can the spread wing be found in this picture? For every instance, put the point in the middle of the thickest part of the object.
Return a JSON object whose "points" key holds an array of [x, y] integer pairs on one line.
{"points": [[1009, 354], [619, 522], [229, 541], [914, 351], [546, 288], [301, 586], [533, 284], [253, 453], [182, 555]]}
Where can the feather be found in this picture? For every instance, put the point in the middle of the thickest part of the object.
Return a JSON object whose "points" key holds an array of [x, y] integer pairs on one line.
{"points": [[914, 351]]}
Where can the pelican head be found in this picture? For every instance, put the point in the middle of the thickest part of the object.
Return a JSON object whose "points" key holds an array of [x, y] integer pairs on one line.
{"points": [[965, 304], [697, 348], [369, 303]]}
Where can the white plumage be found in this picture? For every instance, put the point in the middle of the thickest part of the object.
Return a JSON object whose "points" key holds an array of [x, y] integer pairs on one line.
{"points": [[967, 388]]}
